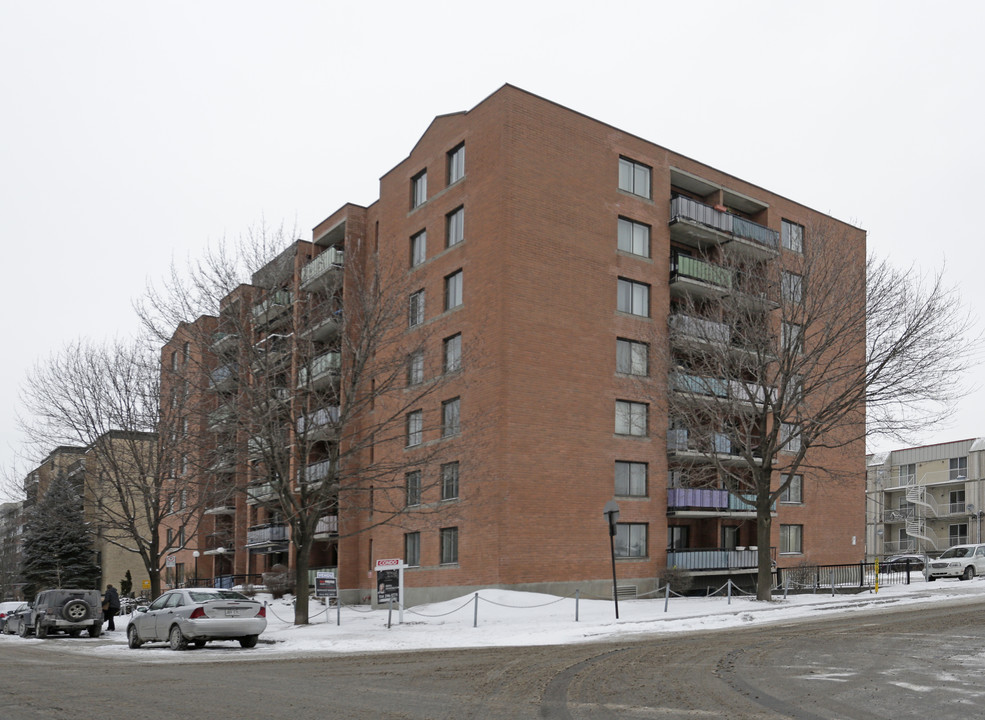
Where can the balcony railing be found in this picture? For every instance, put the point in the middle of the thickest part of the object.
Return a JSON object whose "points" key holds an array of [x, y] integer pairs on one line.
{"points": [[323, 367], [697, 385], [715, 558], [222, 377], [266, 534], [701, 329], [685, 209], [331, 260], [320, 421], [261, 492], [316, 472], [275, 305], [710, 499], [690, 268], [327, 526], [679, 439]]}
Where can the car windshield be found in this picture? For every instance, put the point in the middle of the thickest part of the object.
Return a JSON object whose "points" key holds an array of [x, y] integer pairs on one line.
{"points": [[203, 596], [957, 552]]}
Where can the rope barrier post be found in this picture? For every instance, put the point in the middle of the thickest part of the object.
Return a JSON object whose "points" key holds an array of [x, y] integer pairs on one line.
{"points": [[576, 604], [786, 586], [338, 611], [389, 614], [729, 591], [832, 582], [666, 596], [475, 614]]}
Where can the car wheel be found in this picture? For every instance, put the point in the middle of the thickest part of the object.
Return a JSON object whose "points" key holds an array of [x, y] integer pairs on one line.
{"points": [[41, 631], [248, 641], [95, 630], [176, 639], [200, 643], [133, 638], [969, 573], [23, 630], [75, 611]]}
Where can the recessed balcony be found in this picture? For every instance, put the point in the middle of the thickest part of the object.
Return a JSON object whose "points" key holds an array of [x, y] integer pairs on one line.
{"points": [[257, 493], [698, 278], [321, 424], [224, 343], [267, 538], [324, 370], [710, 502], [324, 272], [701, 226], [312, 476], [704, 447], [327, 527], [273, 307]]}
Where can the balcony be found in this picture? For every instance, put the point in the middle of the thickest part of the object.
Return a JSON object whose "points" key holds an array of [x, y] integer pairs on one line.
{"points": [[221, 417], [223, 379], [704, 447], [277, 304], [267, 538], [325, 370], [313, 475], [698, 278], [322, 424], [224, 462], [272, 353], [224, 343], [324, 329], [715, 559], [221, 502], [699, 330], [262, 492], [709, 502], [702, 226], [327, 528], [697, 385], [324, 272], [220, 542]]}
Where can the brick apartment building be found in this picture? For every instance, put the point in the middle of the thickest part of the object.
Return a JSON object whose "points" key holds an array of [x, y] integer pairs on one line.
{"points": [[543, 255]]}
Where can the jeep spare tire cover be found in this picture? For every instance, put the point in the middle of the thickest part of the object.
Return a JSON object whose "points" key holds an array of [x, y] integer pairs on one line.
{"points": [[75, 611]]}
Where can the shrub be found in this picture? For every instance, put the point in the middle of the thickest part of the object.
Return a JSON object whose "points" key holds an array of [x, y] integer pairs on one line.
{"points": [[680, 581]]}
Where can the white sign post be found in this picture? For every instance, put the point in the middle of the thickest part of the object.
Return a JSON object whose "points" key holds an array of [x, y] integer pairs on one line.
{"points": [[385, 570]]}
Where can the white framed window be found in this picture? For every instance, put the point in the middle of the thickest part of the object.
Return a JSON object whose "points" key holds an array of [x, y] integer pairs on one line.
{"points": [[449, 545], [634, 177], [412, 549], [418, 248], [631, 418], [453, 353], [456, 164], [449, 481], [792, 287], [412, 481], [419, 189], [790, 437], [632, 358], [453, 290], [792, 338], [415, 428], [415, 368], [792, 236], [957, 468], [630, 540], [633, 237], [907, 474], [633, 297], [451, 417], [455, 226], [957, 534], [631, 479], [794, 492], [791, 539], [417, 308]]}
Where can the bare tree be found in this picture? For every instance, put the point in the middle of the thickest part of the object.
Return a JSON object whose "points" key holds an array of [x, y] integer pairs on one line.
{"points": [[771, 356], [313, 374], [105, 398]]}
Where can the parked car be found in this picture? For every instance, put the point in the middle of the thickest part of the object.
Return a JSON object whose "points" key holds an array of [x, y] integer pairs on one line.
{"points": [[64, 610], [6, 608], [899, 562], [198, 615], [960, 561], [13, 618]]}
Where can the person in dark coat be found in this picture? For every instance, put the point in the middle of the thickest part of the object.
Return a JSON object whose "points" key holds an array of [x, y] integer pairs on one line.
{"points": [[111, 606]]}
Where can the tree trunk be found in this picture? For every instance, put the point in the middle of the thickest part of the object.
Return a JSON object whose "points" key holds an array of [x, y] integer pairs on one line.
{"points": [[764, 522], [301, 584]]}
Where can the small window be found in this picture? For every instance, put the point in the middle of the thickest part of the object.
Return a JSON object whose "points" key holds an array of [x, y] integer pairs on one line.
{"points": [[794, 492], [419, 189], [417, 308], [630, 540], [415, 368], [790, 437], [792, 236], [453, 353], [449, 481], [412, 482], [632, 358], [631, 418], [186, 351], [730, 537], [792, 338], [634, 237], [792, 287], [455, 226], [453, 290], [634, 177], [456, 164], [957, 534], [174, 359], [633, 298], [958, 468], [449, 546], [412, 549], [418, 248], [450, 417], [631, 479], [678, 537], [791, 539], [415, 428]]}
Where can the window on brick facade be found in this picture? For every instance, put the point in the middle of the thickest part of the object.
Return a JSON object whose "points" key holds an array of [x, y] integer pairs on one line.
{"points": [[450, 417], [790, 437], [631, 418], [449, 481], [794, 493], [455, 226], [419, 189], [630, 540], [792, 236], [792, 338], [449, 545], [415, 428], [631, 479], [453, 290], [416, 308], [412, 549], [633, 297], [634, 177], [633, 237], [415, 368], [418, 248], [632, 358], [412, 482], [456, 164], [453, 353], [791, 539], [792, 287]]}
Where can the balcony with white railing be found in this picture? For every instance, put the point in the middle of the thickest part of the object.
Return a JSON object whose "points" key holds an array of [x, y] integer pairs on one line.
{"points": [[263, 536], [702, 226], [261, 492], [324, 369], [324, 271], [276, 304], [320, 424], [224, 342], [312, 476], [699, 330], [704, 447], [327, 527]]}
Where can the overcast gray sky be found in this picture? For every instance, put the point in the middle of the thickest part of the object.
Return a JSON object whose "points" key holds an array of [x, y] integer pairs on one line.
{"points": [[136, 132]]}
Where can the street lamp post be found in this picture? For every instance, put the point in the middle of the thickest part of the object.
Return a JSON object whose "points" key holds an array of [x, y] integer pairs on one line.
{"points": [[220, 553], [611, 512], [195, 554]]}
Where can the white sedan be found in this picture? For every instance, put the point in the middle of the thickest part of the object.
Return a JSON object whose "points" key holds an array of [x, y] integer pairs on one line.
{"points": [[196, 616]]}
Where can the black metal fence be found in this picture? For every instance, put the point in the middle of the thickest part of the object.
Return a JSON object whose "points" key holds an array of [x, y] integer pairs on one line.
{"points": [[844, 578]]}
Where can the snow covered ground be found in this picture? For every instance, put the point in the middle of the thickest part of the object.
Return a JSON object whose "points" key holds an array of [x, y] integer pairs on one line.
{"points": [[506, 618]]}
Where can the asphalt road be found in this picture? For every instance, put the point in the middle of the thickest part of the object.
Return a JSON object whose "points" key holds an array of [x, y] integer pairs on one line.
{"points": [[881, 663]]}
